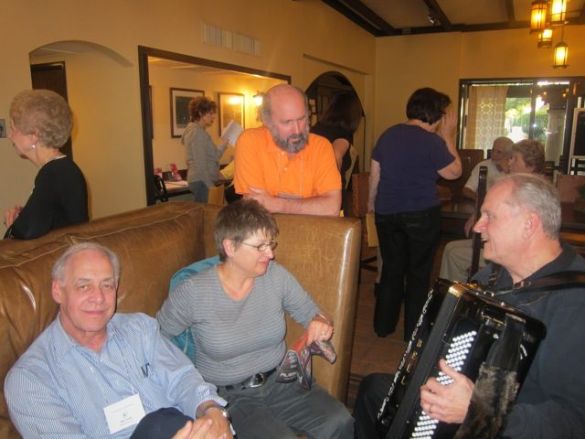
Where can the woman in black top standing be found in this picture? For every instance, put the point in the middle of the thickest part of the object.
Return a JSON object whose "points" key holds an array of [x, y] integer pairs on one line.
{"points": [[40, 124], [338, 124]]}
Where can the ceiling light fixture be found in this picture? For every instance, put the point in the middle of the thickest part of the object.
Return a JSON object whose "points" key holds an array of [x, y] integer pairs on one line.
{"points": [[545, 38], [538, 15], [558, 12]]}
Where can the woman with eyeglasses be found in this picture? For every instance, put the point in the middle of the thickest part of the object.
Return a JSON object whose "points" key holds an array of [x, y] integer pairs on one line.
{"points": [[236, 313]]}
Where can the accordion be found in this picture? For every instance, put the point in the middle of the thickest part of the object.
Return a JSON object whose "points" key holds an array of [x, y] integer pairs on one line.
{"points": [[466, 326]]}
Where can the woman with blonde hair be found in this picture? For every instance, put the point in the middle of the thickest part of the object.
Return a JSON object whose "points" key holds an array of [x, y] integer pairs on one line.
{"points": [[40, 124]]}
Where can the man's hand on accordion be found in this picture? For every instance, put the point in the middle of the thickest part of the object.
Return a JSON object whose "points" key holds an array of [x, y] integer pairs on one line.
{"points": [[447, 403]]}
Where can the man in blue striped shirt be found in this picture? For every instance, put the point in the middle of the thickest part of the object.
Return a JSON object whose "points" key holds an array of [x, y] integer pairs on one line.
{"points": [[95, 373]]}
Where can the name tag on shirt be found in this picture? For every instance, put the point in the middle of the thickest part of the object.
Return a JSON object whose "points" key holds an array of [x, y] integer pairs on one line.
{"points": [[124, 413]]}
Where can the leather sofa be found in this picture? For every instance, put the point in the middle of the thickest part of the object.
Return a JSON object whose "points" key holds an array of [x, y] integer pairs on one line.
{"points": [[153, 243]]}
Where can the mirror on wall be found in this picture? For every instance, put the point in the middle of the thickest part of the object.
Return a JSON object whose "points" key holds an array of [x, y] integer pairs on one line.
{"points": [[168, 81]]}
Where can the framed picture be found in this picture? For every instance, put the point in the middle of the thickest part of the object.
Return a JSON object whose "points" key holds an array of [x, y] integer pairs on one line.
{"points": [[180, 98], [231, 107]]}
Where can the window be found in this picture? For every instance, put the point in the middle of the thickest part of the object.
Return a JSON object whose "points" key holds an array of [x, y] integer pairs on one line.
{"points": [[539, 109]]}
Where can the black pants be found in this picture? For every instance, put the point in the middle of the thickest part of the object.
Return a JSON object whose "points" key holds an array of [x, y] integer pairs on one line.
{"points": [[160, 424], [408, 242], [372, 391]]}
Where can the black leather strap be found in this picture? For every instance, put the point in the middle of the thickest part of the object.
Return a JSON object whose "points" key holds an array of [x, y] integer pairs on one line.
{"points": [[554, 282]]}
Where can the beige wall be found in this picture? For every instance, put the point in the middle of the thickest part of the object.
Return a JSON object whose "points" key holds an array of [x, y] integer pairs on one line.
{"points": [[404, 64], [104, 92]]}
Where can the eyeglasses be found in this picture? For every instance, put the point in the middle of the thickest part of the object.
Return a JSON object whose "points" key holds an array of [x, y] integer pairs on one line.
{"points": [[264, 246]]}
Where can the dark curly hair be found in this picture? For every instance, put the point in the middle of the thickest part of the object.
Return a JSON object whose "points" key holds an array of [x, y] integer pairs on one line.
{"points": [[427, 105], [200, 106]]}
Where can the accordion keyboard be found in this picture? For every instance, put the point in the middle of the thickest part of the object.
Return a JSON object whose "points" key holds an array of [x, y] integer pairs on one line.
{"points": [[456, 355]]}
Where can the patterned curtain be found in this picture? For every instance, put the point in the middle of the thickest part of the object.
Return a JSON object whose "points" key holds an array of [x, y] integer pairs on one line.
{"points": [[485, 116]]}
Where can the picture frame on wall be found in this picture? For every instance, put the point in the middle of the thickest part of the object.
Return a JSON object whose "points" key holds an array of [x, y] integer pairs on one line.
{"points": [[180, 98], [230, 107]]}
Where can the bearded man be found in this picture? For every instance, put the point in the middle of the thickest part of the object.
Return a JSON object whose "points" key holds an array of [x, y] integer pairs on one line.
{"points": [[282, 165]]}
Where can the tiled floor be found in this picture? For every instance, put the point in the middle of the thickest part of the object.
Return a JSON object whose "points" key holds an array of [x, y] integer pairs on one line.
{"points": [[370, 352]]}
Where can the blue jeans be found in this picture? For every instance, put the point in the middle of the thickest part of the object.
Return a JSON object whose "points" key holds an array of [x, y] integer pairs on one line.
{"points": [[199, 190], [408, 242]]}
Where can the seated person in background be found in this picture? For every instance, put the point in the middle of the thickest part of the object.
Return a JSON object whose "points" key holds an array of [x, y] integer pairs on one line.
{"points": [[284, 167], [520, 223], [526, 156], [236, 314], [40, 124], [91, 362], [497, 165]]}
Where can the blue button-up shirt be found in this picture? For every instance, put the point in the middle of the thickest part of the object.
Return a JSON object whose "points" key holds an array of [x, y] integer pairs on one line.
{"points": [[59, 389]]}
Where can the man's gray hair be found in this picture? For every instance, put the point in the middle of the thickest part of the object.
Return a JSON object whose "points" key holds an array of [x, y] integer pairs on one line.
{"points": [[58, 271], [538, 195], [266, 109]]}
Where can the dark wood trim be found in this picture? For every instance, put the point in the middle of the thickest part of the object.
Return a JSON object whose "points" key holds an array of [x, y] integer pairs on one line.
{"points": [[439, 14], [358, 19], [510, 12]]}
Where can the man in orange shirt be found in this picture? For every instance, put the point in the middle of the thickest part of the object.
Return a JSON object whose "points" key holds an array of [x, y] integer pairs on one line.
{"points": [[284, 167]]}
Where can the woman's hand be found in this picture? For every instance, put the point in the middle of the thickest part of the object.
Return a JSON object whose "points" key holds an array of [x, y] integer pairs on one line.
{"points": [[11, 214], [319, 329]]}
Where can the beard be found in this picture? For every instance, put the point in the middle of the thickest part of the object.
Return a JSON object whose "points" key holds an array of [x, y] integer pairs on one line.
{"points": [[293, 143]]}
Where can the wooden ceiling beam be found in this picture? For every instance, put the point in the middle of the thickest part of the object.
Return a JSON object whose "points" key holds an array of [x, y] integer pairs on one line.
{"points": [[360, 14], [438, 13]]}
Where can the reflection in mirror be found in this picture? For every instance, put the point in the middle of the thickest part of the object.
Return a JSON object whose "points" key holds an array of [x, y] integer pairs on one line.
{"points": [[162, 71]]}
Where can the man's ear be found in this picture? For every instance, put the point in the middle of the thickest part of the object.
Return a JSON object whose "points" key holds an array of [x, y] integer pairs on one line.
{"points": [[56, 292], [532, 223]]}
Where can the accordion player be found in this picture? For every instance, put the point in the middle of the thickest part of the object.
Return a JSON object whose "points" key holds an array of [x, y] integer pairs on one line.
{"points": [[479, 336]]}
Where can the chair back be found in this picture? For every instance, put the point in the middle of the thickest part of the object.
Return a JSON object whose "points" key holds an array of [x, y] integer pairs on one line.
{"points": [[360, 187], [160, 190], [469, 158], [568, 187], [215, 195], [353, 154]]}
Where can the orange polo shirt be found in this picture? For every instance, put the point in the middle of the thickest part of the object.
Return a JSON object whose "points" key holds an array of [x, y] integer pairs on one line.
{"points": [[261, 164]]}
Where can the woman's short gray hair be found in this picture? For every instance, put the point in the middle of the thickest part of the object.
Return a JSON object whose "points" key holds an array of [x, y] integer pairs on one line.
{"points": [[44, 113], [58, 271], [538, 195]]}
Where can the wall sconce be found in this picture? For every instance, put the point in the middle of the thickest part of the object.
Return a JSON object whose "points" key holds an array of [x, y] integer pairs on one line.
{"points": [[561, 55], [258, 98], [538, 12], [545, 38], [558, 12]]}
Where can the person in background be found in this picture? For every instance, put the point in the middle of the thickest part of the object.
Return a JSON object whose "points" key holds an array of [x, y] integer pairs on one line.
{"points": [[95, 373], [526, 156], [497, 165], [406, 163], [284, 167], [236, 314], [338, 124], [202, 154], [519, 224], [40, 124]]}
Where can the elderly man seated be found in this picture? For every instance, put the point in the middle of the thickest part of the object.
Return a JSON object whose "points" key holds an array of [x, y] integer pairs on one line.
{"points": [[520, 223], [97, 373]]}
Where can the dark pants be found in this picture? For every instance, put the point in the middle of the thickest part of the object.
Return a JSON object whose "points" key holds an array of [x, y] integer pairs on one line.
{"points": [[200, 191], [160, 424], [371, 393], [408, 242]]}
